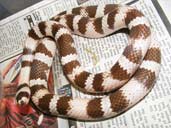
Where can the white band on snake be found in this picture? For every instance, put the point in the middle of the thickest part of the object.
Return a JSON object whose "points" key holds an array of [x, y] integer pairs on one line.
{"points": [[132, 76]]}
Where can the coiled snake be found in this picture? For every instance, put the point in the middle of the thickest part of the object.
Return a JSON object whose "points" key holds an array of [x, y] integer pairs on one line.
{"points": [[132, 75]]}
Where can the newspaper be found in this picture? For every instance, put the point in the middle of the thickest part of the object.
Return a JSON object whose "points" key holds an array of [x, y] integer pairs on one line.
{"points": [[152, 112]]}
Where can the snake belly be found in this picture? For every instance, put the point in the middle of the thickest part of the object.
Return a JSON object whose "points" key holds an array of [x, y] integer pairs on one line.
{"points": [[132, 76]]}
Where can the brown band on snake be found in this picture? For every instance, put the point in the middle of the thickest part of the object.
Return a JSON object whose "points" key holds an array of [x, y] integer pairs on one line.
{"points": [[56, 19], [33, 34], [38, 66], [119, 104], [97, 82], [41, 48], [76, 10], [97, 113], [82, 24], [63, 105], [26, 64], [135, 32], [132, 14], [65, 42], [69, 21], [43, 103], [91, 10], [132, 55], [119, 73], [68, 68], [153, 54], [42, 27], [55, 28], [80, 79], [22, 86], [110, 7], [27, 51], [111, 19], [62, 13], [144, 73], [98, 25], [35, 89]]}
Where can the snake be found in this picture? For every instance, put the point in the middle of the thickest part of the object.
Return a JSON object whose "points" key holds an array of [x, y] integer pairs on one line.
{"points": [[126, 83]]}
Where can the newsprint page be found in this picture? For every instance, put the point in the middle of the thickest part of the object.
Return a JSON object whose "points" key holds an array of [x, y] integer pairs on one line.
{"points": [[95, 55]]}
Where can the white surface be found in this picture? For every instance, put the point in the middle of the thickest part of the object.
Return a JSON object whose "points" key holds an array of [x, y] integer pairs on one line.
{"points": [[166, 6]]}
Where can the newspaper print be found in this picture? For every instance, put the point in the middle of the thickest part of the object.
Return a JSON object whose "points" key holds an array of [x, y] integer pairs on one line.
{"points": [[153, 111]]}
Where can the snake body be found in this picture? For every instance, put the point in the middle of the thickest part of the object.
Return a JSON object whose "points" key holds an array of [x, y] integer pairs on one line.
{"points": [[132, 76]]}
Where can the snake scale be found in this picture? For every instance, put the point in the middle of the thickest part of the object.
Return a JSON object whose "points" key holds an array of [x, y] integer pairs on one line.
{"points": [[132, 76]]}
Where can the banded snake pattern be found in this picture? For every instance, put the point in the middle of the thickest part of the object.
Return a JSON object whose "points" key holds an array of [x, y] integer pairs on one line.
{"points": [[130, 78]]}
